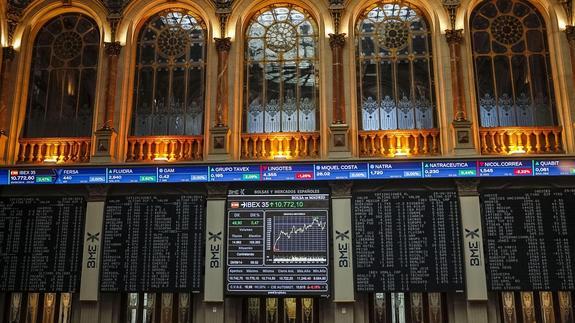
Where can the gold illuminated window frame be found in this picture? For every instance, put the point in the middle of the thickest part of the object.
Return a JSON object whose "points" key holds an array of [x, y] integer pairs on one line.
{"points": [[281, 71], [394, 59], [169, 87], [512, 70]]}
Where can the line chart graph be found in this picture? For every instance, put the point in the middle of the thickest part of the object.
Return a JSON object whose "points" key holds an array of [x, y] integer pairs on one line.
{"points": [[302, 233]]}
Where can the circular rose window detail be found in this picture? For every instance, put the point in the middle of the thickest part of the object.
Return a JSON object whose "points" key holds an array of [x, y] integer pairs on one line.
{"points": [[281, 37], [173, 41], [507, 29], [67, 45], [393, 34]]}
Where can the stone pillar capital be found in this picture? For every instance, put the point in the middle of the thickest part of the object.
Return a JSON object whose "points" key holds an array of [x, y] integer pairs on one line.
{"points": [[454, 36], [8, 53], [113, 49], [223, 44], [337, 41]]}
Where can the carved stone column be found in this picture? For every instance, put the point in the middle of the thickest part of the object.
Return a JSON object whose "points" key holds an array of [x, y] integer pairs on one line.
{"points": [[461, 124], [570, 33], [339, 140], [454, 39], [220, 133], [337, 42], [106, 136], [8, 55], [113, 50], [220, 137], [223, 46]]}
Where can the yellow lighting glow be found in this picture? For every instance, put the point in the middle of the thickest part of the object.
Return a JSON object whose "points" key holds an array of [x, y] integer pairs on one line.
{"points": [[514, 150], [51, 159], [161, 158], [280, 156], [562, 23]]}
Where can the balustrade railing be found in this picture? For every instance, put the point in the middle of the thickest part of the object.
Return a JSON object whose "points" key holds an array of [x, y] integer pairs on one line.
{"points": [[391, 143], [55, 150], [280, 145], [164, 148], [528, 140]]}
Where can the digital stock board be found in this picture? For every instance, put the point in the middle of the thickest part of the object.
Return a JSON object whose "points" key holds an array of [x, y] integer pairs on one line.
{"points": [[278, 242], [408, 241], [529, 239], [153, 243], [41, 243], [300, 172]]}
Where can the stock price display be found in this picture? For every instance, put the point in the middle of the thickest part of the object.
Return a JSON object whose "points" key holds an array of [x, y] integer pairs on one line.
{"points": [[529, 239], [153, 243], [407, 242], [277, 242], [41, 243]]}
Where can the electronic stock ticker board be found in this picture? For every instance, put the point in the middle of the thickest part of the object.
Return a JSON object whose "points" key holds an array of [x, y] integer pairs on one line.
{"points": [[278, 242]]}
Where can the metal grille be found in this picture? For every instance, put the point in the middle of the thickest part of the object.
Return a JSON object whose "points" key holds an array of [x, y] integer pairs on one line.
{"points": [[395, 73], [63, 78], [170, 76], [281, 71], [511, 56]]}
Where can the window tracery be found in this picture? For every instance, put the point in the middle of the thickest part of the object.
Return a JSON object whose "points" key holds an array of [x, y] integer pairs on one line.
{"points": [[281, 71], [170, 75], [512, 68], [395, 73], [63, 78]]}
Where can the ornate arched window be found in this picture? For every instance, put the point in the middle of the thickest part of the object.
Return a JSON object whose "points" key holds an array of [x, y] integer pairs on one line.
{"points": [[395, 68], [281, 71], [170, 75], [512, 70], [63, 78]]}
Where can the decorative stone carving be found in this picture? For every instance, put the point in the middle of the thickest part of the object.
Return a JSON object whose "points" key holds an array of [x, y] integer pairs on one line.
{"points": [[113, 48], [451, 7], [116, 6], [114, 20], [337, 40], [454, 36], [13, 17], [224, 5], [223, 44]]}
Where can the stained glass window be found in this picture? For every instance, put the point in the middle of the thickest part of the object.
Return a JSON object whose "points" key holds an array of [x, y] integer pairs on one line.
{"points": [[170, 76], [63, 78], [512, 71], [395, 72], [281, 71]]}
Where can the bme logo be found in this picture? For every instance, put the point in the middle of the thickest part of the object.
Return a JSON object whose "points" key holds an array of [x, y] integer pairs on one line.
{"points": [[93, 239], [215, 249], [342, 248]]}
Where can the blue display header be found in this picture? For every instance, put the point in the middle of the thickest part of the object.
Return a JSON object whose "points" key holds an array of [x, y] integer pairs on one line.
{"points": [[288, 172]]}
